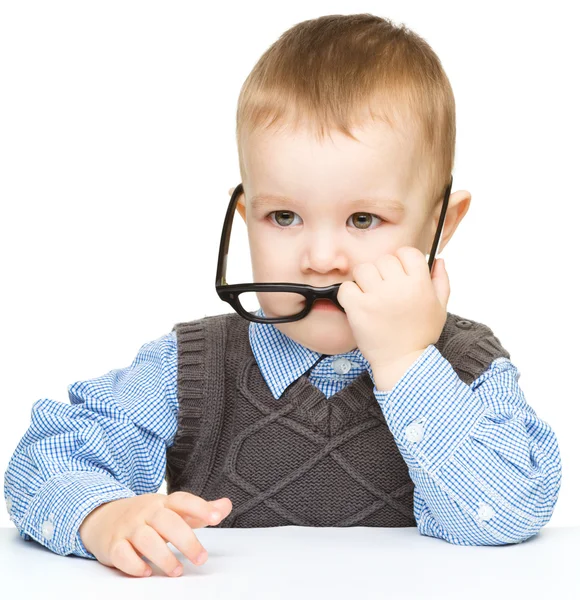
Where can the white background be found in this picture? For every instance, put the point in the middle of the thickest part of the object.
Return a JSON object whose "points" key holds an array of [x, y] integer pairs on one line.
{"points": [[117, 150]]}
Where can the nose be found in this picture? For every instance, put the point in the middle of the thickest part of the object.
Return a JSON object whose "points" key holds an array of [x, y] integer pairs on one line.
{"points": [[323, 253]]}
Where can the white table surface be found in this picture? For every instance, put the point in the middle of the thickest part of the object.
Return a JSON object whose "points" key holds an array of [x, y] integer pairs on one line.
{"points": [[313, 562]]}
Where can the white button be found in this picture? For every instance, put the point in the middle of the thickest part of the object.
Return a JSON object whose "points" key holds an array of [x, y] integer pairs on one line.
{"points": [[341, 365], [47, 529], [414, 432], [9, 504], [485, 511]]}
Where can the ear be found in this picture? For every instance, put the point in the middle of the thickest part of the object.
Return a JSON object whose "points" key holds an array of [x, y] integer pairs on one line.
{"points": [[241, 205], [456, 209]]}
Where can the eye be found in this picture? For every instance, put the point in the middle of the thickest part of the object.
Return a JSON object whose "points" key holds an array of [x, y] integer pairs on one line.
{"points": [[284, 214], [362, 219], [285, 217]]}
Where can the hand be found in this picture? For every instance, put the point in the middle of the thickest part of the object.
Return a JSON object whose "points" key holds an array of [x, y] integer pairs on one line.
{"points": [[395, 308], [118, 533]]}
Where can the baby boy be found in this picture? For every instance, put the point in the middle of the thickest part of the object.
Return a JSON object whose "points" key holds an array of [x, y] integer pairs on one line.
{"points": [[390, 413]]}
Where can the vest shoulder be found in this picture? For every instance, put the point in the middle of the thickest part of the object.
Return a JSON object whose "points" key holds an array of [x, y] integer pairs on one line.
{"points": [[470, 346], [208, 320]]}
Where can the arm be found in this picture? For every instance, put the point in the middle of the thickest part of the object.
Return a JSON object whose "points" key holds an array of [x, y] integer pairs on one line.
{"points": [[109, 443], [486, 469]]}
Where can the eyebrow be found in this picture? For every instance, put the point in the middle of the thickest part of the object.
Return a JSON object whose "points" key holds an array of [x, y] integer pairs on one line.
{"points": [[388, 204]]}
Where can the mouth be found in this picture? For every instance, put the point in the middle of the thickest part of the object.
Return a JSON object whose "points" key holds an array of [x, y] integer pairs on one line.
{"points": [[324, 304]]}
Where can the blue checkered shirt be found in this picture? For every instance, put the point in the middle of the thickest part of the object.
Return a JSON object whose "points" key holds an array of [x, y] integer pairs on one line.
{"points": [[486, 469]]}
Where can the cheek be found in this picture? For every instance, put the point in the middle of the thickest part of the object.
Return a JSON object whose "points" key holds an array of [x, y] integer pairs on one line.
{"points": [[408, 235], [379, 246], [423, 239], [271, 259]]}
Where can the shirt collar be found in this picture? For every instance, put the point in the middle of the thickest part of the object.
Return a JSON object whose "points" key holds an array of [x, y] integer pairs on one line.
{"points": [[282, 360]]}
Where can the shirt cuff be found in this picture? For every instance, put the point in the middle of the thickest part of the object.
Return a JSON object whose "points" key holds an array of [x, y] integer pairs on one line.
{"points": [[56, 512], [430, 411]]}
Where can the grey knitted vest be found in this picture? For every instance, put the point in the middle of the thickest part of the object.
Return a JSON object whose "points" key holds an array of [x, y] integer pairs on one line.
{"points": [[302, 459]]}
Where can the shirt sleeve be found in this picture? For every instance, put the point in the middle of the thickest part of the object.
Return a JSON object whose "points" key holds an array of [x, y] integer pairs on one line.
{"points": [[108, 443], [486, 469]]}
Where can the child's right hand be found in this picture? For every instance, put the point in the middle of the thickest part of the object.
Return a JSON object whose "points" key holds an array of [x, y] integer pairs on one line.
{"points": [[118, 533]]}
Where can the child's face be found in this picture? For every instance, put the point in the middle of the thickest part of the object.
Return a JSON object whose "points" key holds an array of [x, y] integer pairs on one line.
{"points": [[317, 242]]}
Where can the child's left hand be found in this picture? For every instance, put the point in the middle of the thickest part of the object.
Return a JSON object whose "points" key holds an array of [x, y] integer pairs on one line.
{"points": [[395, 309]]}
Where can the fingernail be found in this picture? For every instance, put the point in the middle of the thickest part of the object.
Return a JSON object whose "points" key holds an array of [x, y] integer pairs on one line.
{"points": [[201, 557], [215, 516], [148, 572], [177, 571]]}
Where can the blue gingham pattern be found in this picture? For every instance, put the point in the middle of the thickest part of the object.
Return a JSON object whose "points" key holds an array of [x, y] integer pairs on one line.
{"points": [[486, 469]]}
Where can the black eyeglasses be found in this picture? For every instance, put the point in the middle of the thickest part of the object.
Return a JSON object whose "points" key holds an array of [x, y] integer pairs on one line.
{"points": [[292, 301]]}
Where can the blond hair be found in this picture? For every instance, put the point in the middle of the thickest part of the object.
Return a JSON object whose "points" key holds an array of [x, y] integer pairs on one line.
{"points": [[334, 71]]}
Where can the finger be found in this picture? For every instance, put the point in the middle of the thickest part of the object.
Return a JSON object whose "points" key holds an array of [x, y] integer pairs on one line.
{"points": [[224, 506], [231, 191], [366, 276], [389, 267], [413, 261], [440, 280], [149, 543], [124, 558], [172, 528], [189, 505], [201, 522], [347, 293]]}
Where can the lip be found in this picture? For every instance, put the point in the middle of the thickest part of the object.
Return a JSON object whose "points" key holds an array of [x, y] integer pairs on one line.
{"points": [[325, 305]]}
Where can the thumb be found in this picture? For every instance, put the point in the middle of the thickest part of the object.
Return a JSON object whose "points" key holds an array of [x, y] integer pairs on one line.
{"points": [[440, 281], [230, 191]]}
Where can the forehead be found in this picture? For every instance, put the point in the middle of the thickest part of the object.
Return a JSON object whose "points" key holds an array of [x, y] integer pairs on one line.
{"points": [[295, 163]]}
